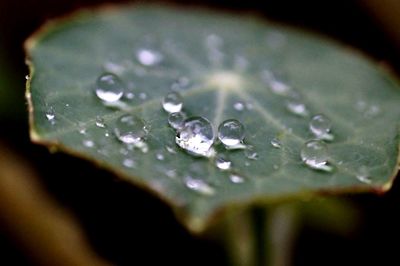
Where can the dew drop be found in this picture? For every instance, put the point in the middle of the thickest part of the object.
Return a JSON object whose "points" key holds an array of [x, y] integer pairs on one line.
{"points": [[231, 132], [297, 107], [320, 126], [363, 175], [196, 136], [170, 149], [222, 163], [238, 106], [88, 143], [172, 102], [276, 143], [315, 155], [142, 96], [176, 120], [51, 115], [100, 122], [148, 57], [160, 156], [129, 163], [236, 179], [199, 186], [130, 129], [250, 153], [109, 88]]}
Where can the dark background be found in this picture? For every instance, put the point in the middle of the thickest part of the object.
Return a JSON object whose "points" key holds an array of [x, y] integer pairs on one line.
{"points": [[129, 227]]}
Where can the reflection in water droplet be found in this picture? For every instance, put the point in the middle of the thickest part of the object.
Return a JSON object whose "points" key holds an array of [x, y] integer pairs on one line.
{"points": [[129, 163], [238, 106], [196, 136], [199, 186], [222, 163], [130, 129], [149, 57], [276, 143], [51, 115], [88, 143], [237, 179], [231, 132], [315, 155], [250, 153], [109, 88], [297, 107], [363, 175], [320, 126], [100, 122], [176, 120], [172, 102]]}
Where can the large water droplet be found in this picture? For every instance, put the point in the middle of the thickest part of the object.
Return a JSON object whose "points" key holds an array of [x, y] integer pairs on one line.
{"points": [[199, 186], [172, 102], [109, 88], [130, 129], [236, 179], [176, 120], [320, 126], [315, 155], [196, 136], [149, 57], [222, 163], [231, 132]]}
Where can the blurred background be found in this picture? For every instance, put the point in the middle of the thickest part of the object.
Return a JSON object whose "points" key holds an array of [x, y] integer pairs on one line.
{"points": [[118, 224]]}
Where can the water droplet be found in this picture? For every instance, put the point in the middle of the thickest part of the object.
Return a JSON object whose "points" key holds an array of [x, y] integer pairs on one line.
{"points": [[160, 156], [170, 149], [231, 132], [51, 115], [100, 122], [130, 95], [149, 57], [363, 175], [250, 153], [315, 155], [276, 84], [236, 179], [297, 107], [196, 136], [176, 120], [172, 102], [238, 106], [199, 186], [142, 96], [276, 143], [88, 143], [129, 163], [130, 129], [27, 77], [109, 88], [320, 126], [222, 163]]}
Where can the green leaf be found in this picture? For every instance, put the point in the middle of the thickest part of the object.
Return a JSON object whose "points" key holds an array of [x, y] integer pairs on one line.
{"points": [[220, 60]]}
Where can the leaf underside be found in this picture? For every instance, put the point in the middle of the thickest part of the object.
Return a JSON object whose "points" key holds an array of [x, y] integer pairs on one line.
{"points": [[361, 100]]}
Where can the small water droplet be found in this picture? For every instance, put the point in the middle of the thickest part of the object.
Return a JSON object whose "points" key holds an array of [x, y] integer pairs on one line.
{"points": [[67, 105], [297, 107], [315, 155], [148, 57], [250, 153], [129, 163], [222, 163], [142, 96], [100, 122], [363, 175], [51, 115], [175, 120], [172, 102], [170, 149], [196, 136], [130, 95], [276, 143], [320, 126], [238, 106], [109, 88], [88, 143], [160, 156], [231, 132], [276, 84], [130, 129], [236, 179], [199, 186]]}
